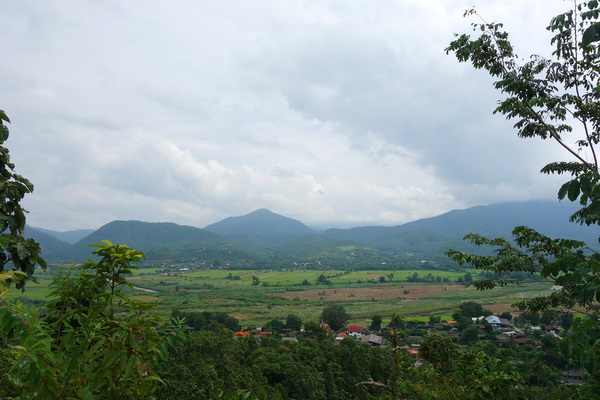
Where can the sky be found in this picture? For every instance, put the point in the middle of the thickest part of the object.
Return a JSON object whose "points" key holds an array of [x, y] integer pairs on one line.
{"points": [[337, 113]]}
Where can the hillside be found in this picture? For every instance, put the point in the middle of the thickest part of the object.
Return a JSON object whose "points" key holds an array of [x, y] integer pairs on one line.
{"points": [[261, 223], [160, 242], [434, 235], [263, 238], [49, 243], [69, 237]]}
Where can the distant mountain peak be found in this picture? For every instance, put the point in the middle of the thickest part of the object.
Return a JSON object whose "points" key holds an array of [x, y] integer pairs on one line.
{"points": [[261, 222]]}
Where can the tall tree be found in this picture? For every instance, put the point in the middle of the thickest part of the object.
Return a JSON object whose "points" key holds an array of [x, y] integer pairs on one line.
{"points": [[335, 316], [555, 98], [18, 256], [552, 98], [375, 323]]}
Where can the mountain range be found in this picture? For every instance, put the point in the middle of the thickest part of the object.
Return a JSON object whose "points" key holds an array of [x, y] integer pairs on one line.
{"points": [[263, 238]]}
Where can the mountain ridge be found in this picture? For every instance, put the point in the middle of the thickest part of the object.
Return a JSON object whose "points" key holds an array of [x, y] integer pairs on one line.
{"points": [[262, 236]]}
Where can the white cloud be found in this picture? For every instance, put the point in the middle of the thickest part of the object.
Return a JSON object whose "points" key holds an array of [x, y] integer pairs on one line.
{"points": [[332, 112]]}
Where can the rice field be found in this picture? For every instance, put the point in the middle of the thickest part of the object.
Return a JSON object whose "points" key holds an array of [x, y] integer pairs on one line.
{"points": [[280, 293]]}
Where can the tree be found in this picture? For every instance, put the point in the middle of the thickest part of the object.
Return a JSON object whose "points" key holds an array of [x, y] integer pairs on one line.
{"points": [[397, 322], [94, 341], [440, 351], [471, 309], [322, 280], [18, 256], [335, 316], [470, 335], [375, 323], [506, 315], [293, 322], [552, 98], [566, 320], [543, 95], [274, 326]]}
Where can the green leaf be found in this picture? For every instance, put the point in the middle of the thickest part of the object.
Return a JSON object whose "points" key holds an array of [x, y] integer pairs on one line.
{"points": [[591, 34], [586, 185], [562, 192], [3, 133], [574, 191], [3, 117]]}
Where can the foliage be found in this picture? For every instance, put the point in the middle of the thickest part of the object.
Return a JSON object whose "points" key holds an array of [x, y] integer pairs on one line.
{"points": [[335, 316], [555, 98], [440, 351], [375, 325], [471, 309], [214, 361], [542, 95], [293, 322], [18, 256], [199, 320], [95, 341]]}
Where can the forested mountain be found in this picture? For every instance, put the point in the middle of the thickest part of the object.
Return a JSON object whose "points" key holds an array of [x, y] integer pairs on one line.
{"points": [[447, 230], [263, 237], [261, 223], [162, 241], [69, 237], [49, 242]]}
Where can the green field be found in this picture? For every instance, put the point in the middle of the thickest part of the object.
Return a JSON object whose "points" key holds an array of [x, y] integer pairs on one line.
{"points": [[280, 293]]}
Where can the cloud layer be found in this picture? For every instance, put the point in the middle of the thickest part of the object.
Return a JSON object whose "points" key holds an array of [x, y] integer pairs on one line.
{"points": [[337, 113]]}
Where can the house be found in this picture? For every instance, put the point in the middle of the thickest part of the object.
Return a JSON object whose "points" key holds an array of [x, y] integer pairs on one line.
{"points": [[413, 353], [505, 323], [242, 334], [493, 320], [372, 340], [340, 336], [551, 329], [356, 331], [573, 377]]}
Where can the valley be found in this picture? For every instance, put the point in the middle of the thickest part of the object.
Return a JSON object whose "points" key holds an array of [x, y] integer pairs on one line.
{"points": [[280, 293]]}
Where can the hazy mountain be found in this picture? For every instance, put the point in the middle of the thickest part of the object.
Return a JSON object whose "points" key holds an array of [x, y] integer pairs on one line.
{"points": [[447, 230], [161, 241], [69, 237], [49, 244], [262, 223], [265, 238]]}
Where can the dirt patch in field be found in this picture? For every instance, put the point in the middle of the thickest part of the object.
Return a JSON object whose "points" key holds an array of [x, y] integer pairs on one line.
{"points": [[499, 308], [368, 293]]}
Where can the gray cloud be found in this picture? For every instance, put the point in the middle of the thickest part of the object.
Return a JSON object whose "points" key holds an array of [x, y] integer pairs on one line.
{"points": [[334, 112]]}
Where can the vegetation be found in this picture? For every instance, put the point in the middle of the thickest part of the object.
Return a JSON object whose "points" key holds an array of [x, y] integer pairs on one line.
{"points": [[554, 98], [335, 316], [93, 341], [18, 256]]}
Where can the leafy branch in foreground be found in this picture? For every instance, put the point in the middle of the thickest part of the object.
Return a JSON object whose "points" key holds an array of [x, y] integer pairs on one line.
{"points": [[552, 98], [95, 342], [545, 95], [570, 264], [18, 256]]}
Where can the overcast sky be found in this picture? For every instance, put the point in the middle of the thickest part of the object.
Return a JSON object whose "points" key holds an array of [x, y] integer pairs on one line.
{"points": [[337, 113]]}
